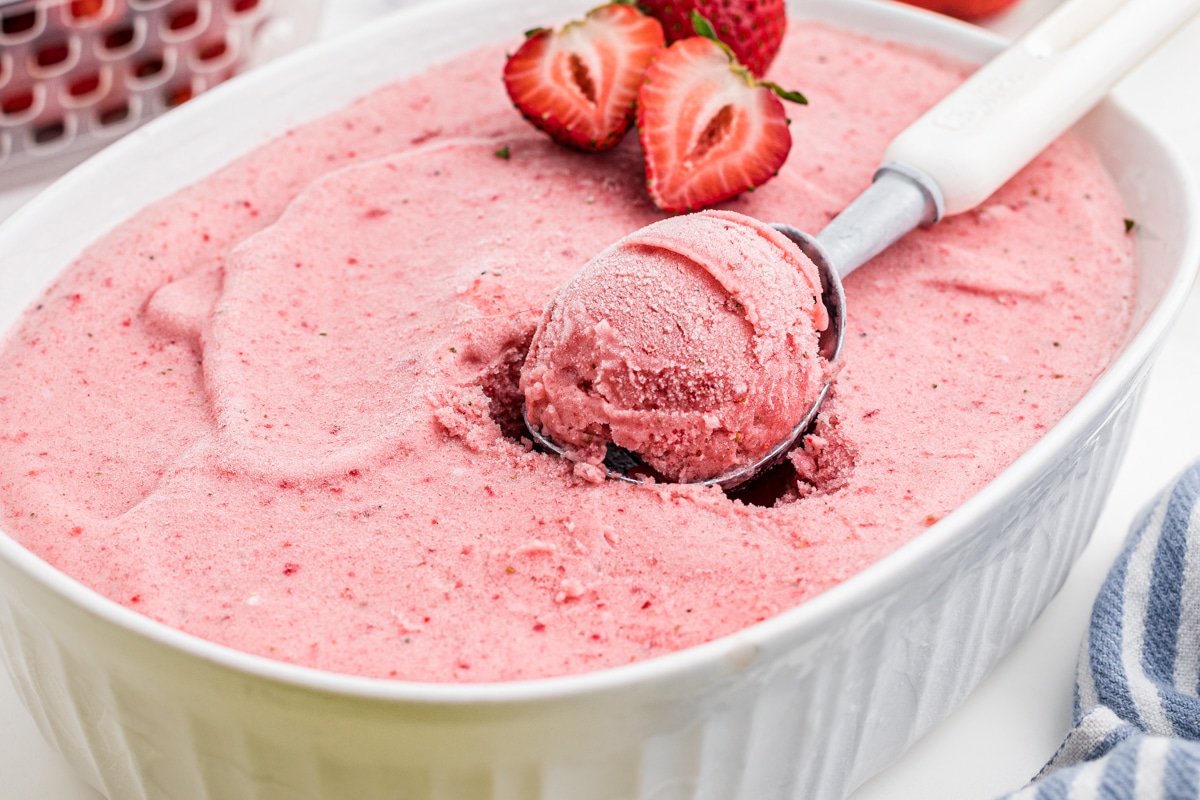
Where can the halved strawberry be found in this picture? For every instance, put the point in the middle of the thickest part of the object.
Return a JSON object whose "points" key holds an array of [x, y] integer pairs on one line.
{"points": [[753, 29], [709, 130], [580, 84]]}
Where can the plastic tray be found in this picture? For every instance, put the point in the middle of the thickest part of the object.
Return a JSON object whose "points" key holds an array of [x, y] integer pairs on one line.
{"points": [[76, 74]]}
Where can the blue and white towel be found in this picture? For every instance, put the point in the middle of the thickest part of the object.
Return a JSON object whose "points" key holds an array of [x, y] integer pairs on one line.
{"points": [[1137, 687]]}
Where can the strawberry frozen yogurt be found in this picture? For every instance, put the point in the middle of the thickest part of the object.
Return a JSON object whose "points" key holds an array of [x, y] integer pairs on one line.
{"points": [[692, 342], [281, 410]]}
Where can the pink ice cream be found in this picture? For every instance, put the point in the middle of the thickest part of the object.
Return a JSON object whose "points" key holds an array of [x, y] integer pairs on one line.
{"points": [[691, 342], [280, 410]]}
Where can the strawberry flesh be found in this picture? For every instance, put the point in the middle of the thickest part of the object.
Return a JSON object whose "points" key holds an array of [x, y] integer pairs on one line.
{"points": [[709, 132], [580, 84], [753, 29]]}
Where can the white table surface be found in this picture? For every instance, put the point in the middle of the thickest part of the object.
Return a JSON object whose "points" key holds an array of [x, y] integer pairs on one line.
{"points": [[1015, 719]]}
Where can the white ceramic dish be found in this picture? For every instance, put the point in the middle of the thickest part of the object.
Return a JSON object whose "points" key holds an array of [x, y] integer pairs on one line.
{"points": [[807, 704]]}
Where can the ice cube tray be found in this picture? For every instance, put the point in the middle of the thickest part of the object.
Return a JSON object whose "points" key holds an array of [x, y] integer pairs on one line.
{"points": [[75, 74]]}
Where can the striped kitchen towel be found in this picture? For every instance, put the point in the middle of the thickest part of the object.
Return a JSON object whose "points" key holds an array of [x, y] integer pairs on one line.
{"points": [[1137, 686]]}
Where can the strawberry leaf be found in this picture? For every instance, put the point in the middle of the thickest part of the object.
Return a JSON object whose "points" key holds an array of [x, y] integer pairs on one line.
{"points": [[785, 94], [705, 29]]}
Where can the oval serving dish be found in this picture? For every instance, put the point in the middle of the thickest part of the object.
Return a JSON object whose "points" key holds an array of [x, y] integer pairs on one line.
{"points": [[807, 704]]}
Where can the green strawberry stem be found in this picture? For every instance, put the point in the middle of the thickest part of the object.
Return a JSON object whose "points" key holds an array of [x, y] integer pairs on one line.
{"points": [[785, 94], [704, 28]]}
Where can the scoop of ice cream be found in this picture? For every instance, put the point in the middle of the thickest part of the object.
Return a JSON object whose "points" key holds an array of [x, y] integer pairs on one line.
{"points": [[691, 342]]}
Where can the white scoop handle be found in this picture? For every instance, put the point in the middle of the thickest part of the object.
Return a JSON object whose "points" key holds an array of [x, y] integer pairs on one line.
{"points": [[983, 132]]}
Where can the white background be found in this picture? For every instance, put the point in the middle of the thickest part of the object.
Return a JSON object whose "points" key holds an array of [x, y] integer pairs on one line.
{"points": [[1014, 721]]}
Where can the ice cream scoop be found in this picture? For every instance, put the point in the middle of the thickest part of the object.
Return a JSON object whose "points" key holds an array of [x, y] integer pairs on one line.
{"points": [[947, 162]]}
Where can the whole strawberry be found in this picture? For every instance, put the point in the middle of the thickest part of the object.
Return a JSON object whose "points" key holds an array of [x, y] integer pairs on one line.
{"points": [[753, 29], [579, 84], [963, 9], [709, 129]]}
